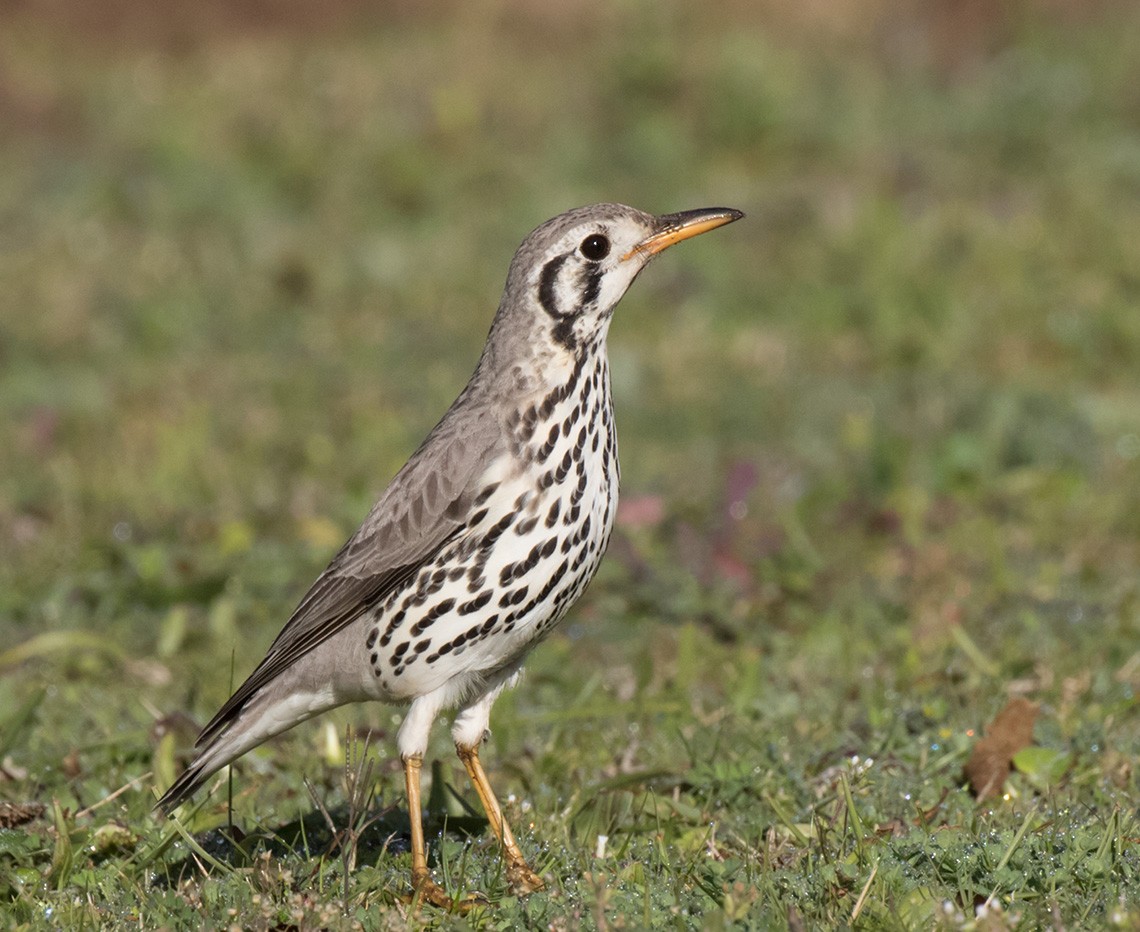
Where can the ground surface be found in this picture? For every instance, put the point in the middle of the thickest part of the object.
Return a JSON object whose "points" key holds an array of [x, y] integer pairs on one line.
{"points": [[881, 450]]}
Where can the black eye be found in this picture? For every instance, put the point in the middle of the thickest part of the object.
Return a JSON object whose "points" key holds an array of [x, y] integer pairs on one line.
{"points": [[595, 247]]}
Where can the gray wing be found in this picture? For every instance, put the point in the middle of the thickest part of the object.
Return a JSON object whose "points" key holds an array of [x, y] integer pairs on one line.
{"points": [[425, 505]]}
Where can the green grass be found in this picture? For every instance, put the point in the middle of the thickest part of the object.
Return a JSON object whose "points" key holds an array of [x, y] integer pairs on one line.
{"points": [[891, 422]]}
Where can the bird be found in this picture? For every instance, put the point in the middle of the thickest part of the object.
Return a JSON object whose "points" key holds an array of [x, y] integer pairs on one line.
{"points": [[482, 540]]}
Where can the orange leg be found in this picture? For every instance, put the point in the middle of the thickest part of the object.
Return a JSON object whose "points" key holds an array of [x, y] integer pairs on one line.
{"points": [[424, 889], [520, 877]]}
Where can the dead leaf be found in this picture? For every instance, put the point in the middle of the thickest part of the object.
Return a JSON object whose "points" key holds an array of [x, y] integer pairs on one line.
{"points": [[13, 814], [1010, 731], [71, 766]]}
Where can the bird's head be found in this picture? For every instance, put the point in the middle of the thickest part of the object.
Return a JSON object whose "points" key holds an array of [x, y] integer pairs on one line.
{"points": [[570, 273]]}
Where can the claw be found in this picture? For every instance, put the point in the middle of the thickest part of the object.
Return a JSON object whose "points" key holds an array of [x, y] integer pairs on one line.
{"points": [[426, 890], [521, 880]]}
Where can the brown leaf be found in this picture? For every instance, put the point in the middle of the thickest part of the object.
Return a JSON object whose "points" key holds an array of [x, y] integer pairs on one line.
{"points": [[71, 765], [1009, 732], [13, 814]]}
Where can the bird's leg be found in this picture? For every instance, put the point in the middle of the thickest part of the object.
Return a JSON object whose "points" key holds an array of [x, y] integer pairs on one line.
{"points": [[520, 877], [424, 889], [468, 731]]}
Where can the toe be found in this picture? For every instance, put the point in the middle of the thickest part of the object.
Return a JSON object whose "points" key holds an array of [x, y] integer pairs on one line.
{"points": [[426, 890], [522, 880]]}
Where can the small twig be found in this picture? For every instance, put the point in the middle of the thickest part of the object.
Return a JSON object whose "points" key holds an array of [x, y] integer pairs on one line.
{"points": [[859, 903], [360, 790], [133, 784], [322, 809]]}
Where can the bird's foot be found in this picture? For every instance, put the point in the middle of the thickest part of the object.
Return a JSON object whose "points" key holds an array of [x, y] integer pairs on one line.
{"points": [[521, 880], [426, 890]]}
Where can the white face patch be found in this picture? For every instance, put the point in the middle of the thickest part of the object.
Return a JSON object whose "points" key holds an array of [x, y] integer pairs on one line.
{"points": [[583, 277], [567, 290]]}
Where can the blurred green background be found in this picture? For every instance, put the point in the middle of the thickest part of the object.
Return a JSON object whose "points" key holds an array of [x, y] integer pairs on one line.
{"points": [[880, 440]]}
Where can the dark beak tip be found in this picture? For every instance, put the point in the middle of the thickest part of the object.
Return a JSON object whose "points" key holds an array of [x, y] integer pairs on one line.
{"points": [[673, 228], [724, 214]]}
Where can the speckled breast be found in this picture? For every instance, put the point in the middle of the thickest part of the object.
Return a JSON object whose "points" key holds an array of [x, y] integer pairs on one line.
{"points": [[535, 537]]}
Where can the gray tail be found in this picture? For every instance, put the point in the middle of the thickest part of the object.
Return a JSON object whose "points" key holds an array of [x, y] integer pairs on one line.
{"points": [[213, 754], [184, 787], [242, 724]]}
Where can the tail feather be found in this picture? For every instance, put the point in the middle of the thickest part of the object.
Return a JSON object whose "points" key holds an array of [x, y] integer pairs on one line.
{"points": [[267, 713], [187, 784]]}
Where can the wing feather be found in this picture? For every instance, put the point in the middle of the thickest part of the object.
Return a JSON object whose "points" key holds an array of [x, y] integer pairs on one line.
{"points": [[423, 508]]}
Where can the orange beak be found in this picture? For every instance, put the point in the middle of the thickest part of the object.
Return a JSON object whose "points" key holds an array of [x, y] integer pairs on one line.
{"points": [[672, 228]]}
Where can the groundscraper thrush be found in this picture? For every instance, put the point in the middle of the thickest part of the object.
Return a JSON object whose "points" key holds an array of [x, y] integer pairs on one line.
{"points": [[484, 538]]}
